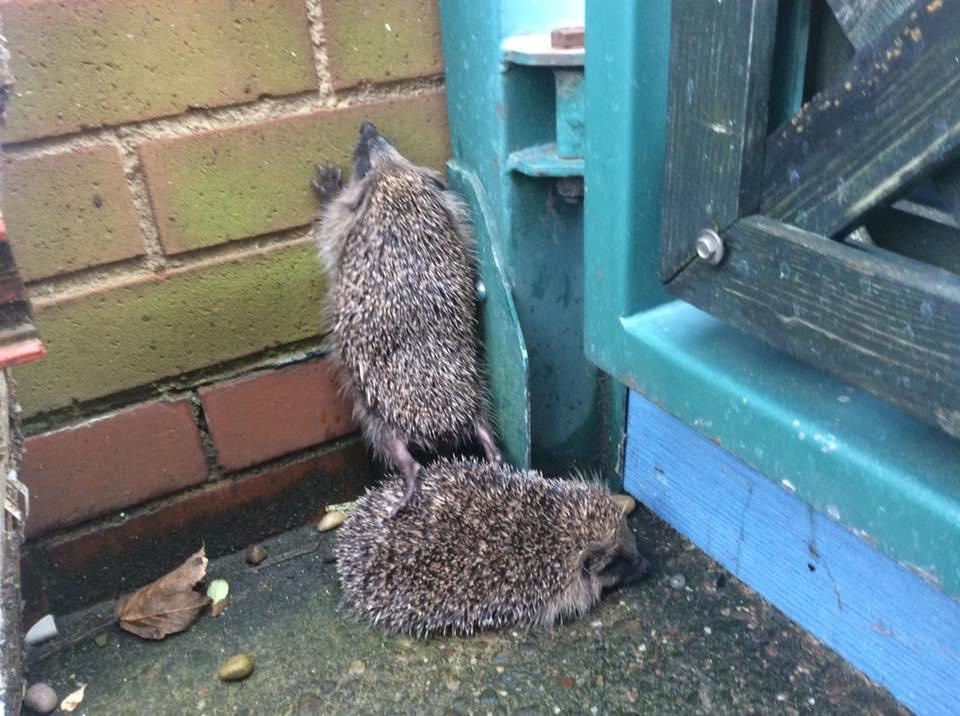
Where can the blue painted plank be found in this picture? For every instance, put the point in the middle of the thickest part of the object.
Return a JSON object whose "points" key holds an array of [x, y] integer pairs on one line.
{"points": [[900, 631]]}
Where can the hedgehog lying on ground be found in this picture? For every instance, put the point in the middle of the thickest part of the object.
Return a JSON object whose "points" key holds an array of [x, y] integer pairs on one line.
{"points": [[483, 546], [397, 248]]}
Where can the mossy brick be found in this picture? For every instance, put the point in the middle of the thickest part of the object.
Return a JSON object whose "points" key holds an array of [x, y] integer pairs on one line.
{"points": [[69, 211], [126, 335], [104, 62], [382, 41], [230, 184]]}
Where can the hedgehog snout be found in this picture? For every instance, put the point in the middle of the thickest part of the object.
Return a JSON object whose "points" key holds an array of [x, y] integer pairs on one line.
{"points": [[371, 149]]}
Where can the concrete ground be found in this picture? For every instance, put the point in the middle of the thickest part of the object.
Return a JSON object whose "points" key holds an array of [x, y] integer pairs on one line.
{"points": [[711, 646]]}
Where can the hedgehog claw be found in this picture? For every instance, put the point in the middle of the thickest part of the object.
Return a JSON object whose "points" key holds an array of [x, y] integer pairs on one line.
{"points": [[328, 182]]}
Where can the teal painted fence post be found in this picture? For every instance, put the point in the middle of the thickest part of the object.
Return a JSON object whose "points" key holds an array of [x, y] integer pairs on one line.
{"points": [[555, 410]]}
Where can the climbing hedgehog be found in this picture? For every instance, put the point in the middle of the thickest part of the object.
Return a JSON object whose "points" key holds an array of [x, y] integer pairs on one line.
{"points": [[398, 250], [483, 546]]}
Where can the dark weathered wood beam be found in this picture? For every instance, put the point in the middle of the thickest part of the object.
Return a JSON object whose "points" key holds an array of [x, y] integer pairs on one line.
{"points": [[893, 115], [720, 60], [914, 235], [948, 184], [863, 21], [886, 323]]}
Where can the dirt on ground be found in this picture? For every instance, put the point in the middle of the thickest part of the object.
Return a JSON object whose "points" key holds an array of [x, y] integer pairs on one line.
{"points": [[691, 639]]}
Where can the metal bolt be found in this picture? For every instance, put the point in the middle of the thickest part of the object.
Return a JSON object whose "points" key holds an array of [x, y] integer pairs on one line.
{"points": [[480, 291], [710, 246]]}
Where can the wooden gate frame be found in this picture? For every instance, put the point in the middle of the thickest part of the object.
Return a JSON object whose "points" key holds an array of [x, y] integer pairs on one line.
{"points": [[751, 223]]}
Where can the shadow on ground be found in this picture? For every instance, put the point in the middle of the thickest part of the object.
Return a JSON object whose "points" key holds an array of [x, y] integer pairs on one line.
{"points": [[711, 646]]}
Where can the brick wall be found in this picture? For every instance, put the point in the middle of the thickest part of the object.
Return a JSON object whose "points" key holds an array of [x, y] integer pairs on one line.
{"points": [[156, 191]]}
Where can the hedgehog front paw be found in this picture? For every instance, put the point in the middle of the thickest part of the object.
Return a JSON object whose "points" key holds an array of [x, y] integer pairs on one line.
{"points": [[328, 182]]}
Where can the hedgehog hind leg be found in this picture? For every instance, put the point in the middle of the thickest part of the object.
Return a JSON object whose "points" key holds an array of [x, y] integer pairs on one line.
{"points": [[485, 436], [398, 454]]}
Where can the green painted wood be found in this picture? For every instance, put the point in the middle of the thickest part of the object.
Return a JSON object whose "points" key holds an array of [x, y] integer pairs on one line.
{"points": [[721, 57], [880, 321], [865, 20], [506, 352], [543, 160], [625, 141], [569, 110], [626, 109], [501, 94], [892, 116], [877, 470]]}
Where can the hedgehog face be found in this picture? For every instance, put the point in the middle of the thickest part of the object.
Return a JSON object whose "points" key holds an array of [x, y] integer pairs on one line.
{"points": [[614, 563], [604, 565]]}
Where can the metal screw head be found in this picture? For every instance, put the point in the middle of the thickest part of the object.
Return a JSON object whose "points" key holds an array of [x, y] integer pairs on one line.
{"points": [[710, 246]]}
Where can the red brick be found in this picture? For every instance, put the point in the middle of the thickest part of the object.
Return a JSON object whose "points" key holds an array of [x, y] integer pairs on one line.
{"points": [[110, 463], [382, 42], [67, 572], [69, 211], [102, 62], [272, 413], [217, 186]]}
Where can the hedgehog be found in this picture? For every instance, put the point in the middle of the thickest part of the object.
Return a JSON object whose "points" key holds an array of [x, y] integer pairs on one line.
{"points": [[397, 247], [483, 546]]}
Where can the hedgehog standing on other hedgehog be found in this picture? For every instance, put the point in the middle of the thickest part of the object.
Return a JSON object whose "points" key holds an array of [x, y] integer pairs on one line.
{"points": [[484, 546], [398, 250]]}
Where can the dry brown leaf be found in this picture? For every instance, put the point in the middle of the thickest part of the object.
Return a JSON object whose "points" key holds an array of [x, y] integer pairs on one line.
{"points": [[71, 701], [168, 605]]}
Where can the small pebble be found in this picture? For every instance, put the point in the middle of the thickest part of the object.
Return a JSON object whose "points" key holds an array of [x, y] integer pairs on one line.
{"points": [[707, 630], [236, 668], [255, 554], [678, 581], [40, 632], [725, 612], [330, 521], [626, 502], [41, 698], [356, 668], [100, 639]]}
